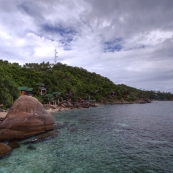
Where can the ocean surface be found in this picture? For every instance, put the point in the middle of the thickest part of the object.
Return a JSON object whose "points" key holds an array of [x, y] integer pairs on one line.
{"points": [[134, 138]]}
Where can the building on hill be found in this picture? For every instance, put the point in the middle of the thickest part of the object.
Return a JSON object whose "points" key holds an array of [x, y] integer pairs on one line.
{"points": [[24, 90], [52, 98], [41, 88]]}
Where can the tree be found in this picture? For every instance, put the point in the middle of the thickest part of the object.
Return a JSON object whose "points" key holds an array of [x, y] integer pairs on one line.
{"points": [[8, 91]]}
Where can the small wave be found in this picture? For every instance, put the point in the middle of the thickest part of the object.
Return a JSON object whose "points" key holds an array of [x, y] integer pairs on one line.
{"points": [[157, 142], [122, 125]]}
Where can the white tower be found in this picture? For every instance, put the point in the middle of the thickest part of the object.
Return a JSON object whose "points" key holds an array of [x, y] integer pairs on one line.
{"points": [[56, 55]]}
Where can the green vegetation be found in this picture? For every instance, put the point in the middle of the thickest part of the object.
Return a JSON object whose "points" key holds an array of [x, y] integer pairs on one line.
{"points": [[8, 89], [72, 82]]}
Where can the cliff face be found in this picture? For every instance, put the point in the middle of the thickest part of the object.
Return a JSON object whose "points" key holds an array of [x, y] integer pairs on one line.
{"points": [[26, 117]]}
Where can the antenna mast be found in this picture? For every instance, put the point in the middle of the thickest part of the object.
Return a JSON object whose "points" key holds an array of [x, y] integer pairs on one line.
{"points": [[56, 55]]}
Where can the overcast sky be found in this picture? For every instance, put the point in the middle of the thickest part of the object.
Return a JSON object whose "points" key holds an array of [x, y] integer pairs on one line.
{"points": [[128, 41]]}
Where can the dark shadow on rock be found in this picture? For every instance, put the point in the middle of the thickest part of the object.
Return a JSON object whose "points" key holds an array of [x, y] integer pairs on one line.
{"points": [[45, 136]]}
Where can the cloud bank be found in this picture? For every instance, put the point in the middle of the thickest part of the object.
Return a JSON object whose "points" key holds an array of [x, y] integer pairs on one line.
{"points": [[130, 42]]}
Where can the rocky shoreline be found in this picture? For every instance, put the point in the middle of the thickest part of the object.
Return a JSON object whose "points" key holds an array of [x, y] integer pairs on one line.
{"points": [[66, 105]]}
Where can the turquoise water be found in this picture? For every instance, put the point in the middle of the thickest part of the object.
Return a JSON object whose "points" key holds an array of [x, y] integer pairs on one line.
{"points": [[135, 138]]}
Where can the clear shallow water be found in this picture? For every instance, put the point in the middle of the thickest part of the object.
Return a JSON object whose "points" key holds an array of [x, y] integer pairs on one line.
{"points": [[135, 138]]}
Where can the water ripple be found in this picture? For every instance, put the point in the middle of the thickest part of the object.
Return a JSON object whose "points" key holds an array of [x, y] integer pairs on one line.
{"points": [[107, 139]]}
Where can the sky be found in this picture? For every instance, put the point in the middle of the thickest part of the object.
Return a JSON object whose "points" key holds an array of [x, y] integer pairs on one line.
{"points": [[128, 41]]}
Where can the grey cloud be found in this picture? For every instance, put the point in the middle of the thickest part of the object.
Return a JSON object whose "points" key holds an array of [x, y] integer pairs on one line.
{"points": [[129, 41], [156, 72], [131, 17]]}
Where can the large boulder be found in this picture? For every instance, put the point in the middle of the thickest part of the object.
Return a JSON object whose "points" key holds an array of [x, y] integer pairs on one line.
{"points": [[26, 117]]}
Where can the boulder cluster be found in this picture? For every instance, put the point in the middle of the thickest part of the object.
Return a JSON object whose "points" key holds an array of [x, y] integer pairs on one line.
{"points": [[26, 117], [123, 101], [71, 105], [143, 101]]}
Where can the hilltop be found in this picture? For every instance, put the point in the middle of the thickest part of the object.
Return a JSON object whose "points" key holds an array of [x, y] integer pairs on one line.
{"points": [[72, 83]]}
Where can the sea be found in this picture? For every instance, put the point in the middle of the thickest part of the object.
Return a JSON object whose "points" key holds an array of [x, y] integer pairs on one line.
{"points": [[122, 138]]}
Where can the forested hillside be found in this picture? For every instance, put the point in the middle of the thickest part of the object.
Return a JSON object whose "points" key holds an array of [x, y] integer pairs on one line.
{"points": [[72, 82]]}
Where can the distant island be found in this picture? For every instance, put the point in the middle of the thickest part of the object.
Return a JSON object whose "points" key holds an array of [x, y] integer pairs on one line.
{"points": [[63, 84]]}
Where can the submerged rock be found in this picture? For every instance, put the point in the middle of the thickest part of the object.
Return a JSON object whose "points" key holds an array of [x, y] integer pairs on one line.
{"points": [[4, 149], [26, 117], [31, 147], [72, 128], [60, 125], [13, 144]]}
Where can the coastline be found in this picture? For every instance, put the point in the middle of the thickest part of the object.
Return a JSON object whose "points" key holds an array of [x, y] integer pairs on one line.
{"points": [[61, 108], [57, 108], [50, 110]]}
